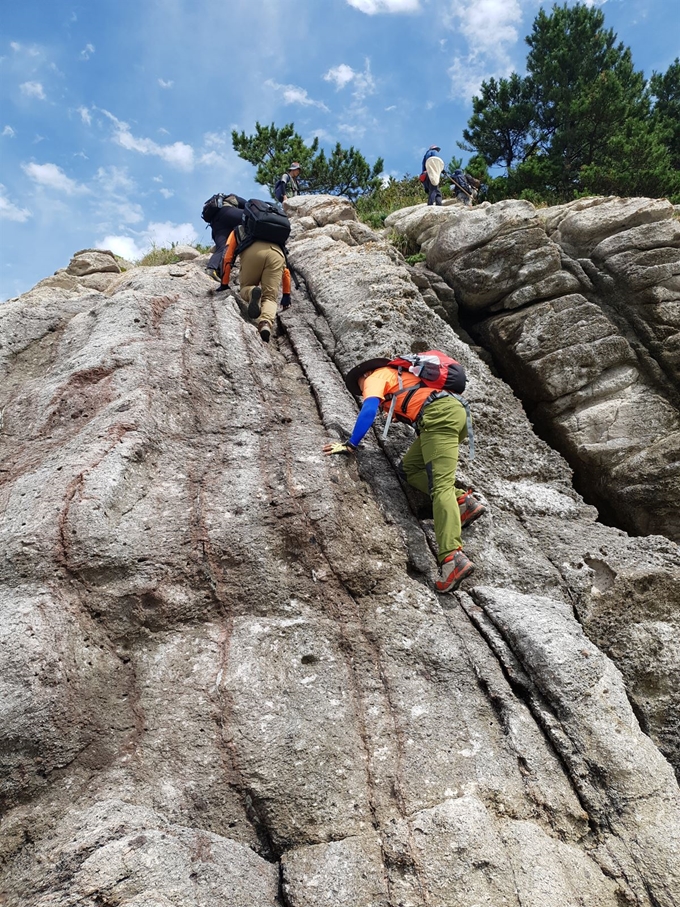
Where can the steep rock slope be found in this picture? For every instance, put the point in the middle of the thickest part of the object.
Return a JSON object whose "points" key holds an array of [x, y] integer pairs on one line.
{"points": [[225, 673]]}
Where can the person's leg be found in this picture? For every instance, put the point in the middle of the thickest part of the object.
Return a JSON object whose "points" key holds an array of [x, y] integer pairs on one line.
{"points": [[442, 427], [427, 186], [252, 266], [274, 263], [215, 260], [414, 468]]}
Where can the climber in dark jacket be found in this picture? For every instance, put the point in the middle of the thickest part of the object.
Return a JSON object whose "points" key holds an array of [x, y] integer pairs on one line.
{"points": [[228, 217]]}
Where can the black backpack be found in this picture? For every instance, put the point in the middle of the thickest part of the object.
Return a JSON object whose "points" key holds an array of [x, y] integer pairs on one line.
{"points": [[264, 221], [215, 202]]}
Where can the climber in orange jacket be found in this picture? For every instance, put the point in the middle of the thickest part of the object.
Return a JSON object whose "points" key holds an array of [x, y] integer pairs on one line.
{"points": [[263, 268]]}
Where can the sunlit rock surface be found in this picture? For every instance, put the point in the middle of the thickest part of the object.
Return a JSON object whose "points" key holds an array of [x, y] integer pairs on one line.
{"points": [[225, 676]]}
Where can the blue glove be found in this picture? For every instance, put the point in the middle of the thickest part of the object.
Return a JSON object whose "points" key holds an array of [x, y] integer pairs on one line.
{"points": [[285, 301]]}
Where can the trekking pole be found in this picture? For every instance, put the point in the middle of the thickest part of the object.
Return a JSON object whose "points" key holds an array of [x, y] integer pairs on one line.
{"points": [[458, 186]]}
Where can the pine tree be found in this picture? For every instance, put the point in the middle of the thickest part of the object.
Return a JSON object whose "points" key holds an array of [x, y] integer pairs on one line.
{"points": [[272, 150]]}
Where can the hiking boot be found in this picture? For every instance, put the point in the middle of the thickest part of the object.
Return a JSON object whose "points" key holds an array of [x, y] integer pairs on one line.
{"points": [[213, 273], [454, 568], [254, 304], [470, 509], [265, 331]]}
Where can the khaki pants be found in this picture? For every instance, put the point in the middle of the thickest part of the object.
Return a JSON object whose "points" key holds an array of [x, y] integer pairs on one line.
{"points": [[430, 466], [262, 264]]}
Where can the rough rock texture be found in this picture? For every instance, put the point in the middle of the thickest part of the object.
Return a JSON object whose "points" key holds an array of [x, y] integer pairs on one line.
{"points": [[225, 676], [580, 307]]}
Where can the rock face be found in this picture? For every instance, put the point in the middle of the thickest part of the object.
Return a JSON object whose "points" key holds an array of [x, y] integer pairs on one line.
{"points": [[580, 307], [225, 676]]}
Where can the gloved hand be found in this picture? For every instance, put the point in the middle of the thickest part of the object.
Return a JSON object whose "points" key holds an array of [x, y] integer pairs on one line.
{"points": [[285, 301], [339, 447]]}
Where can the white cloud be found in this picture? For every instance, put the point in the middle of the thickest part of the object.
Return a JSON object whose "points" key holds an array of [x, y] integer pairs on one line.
{"points": [[212, 159], [363, 82], [85, 115], [341, 75], [87, 51], [322, 135], [178, 154], [162, 235], [293, 94], [352, 130], [125, 246], [165, 84], [32, 90], [10, 211], [52, 177], [488, 25], [117, 178], [9, 132], [15, 45], [371, 7], [391, 107], [214, 139], [166, 193], [490, 28]]}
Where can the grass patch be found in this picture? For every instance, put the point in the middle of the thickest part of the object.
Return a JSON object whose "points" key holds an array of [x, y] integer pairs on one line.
{"points": [[407, 247], [374, 207], [159, 256], [414, 259]]}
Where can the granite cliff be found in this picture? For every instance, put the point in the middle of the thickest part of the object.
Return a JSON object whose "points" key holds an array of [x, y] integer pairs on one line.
{"points": [[225, 677]]}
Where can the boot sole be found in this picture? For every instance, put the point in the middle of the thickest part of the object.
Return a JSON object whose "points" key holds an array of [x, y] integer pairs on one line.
{"points": [[254, 304]]}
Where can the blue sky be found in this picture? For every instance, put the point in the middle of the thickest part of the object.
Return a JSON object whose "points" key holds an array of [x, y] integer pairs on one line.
{"points": [[116, 117]]}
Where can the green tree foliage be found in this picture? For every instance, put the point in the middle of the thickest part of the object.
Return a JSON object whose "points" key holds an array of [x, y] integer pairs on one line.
{"points": [[665, 90], [272, 150], [500, 128], [581, 121]]}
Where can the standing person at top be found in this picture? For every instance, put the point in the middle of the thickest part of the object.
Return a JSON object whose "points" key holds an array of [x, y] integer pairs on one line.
{"points": [[287, 186], [263, 270], [432, 171], [224, 215], [430, 463]]}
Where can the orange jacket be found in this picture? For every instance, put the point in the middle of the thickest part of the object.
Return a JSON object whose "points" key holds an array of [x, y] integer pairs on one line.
{"points": [[385, 381], [229, 257]]}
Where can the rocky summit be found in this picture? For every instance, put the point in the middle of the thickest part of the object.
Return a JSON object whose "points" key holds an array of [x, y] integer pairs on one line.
{"points": [[226, 678]]}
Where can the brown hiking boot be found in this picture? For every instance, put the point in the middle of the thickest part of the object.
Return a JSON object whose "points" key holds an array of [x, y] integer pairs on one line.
{"points": [[470, 509], [454, 568]]}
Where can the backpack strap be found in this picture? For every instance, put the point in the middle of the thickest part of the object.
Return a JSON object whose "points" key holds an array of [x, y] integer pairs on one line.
{"points": [[393, 403]]}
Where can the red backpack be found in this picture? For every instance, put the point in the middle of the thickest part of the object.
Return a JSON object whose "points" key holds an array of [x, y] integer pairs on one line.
{"points": [[436, 370]]}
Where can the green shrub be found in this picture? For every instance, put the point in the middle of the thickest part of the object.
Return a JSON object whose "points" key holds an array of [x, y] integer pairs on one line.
{"points": [[159, 256], [414, 259], [375, 206], [403, 244]]}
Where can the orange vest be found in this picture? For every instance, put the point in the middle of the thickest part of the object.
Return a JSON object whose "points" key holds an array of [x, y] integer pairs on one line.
{"points": [[384, 383]]}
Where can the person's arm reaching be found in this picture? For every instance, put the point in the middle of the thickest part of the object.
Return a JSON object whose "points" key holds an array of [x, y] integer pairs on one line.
{"points": [[365, 419], [285, 289], [228, 259]]}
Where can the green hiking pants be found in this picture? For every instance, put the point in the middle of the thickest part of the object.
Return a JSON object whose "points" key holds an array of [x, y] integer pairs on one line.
{"points": [[430, 466]]}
